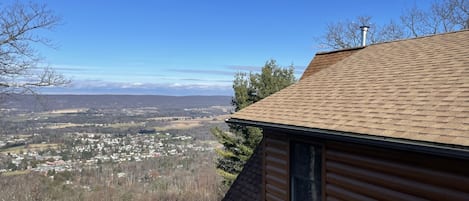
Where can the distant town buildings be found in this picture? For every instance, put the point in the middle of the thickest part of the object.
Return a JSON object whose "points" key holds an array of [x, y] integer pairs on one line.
{"points": [[82, 150]]}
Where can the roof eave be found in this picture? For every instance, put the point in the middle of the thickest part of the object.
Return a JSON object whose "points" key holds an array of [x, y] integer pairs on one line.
{"points": [[340, 50], [447, 150]]}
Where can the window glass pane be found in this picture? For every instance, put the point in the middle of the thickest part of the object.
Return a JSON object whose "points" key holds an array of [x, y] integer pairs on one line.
{"points": [[304, 189], [305, 172]]}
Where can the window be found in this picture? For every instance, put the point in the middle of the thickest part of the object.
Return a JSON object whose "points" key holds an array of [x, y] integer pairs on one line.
{"points": [[305, 172]]}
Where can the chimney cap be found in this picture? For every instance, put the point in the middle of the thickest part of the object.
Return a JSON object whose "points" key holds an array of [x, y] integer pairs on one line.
{"points": [[364, 29]]}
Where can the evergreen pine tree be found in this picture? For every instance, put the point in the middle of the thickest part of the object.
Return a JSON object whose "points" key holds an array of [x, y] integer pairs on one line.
{"points": [[240, 141]]}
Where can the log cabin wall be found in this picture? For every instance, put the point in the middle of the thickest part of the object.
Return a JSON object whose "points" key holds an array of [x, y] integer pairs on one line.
{"points": [[276, 166], [356, 172], [362, 172]]}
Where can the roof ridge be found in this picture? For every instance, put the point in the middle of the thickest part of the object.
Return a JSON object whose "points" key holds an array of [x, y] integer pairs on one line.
{"points": [[419, 37], [339, 50], [391, 41]]}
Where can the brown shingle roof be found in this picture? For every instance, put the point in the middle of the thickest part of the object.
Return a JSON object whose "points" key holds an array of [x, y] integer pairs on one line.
{"points": [[415, 89], [326, 59]]}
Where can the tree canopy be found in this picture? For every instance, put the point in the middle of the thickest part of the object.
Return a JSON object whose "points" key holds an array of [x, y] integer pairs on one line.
{"points": [[240, 141]]}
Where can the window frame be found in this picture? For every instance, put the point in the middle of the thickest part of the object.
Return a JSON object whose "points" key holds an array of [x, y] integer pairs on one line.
{"points": [[321, 158]]}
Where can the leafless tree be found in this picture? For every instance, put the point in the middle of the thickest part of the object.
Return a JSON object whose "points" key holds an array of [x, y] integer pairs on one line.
{"points": [[347, 34], [443, 16], [21, 66], [389, 32]]}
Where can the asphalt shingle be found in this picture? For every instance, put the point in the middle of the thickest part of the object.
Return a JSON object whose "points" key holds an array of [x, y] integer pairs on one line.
{"points": [[415, 89]]}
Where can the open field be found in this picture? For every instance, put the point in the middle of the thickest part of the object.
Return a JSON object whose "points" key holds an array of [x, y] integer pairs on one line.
{"points": [[125, 125], [66, 125], [68, 111], [33, 147], [15, 173], [49, 114], [180, 124], [185, 124], [34, 116], [174, 122]]}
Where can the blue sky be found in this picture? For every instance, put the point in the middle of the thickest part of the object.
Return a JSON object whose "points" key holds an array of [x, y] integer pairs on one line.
{"points": [[175, 47]]}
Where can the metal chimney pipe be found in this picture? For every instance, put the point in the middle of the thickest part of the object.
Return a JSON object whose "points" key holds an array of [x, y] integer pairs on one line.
{"points": [[364, 30]]}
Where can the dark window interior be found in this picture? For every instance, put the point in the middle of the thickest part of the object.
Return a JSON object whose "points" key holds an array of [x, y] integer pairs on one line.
{"points": [[305, 172]]}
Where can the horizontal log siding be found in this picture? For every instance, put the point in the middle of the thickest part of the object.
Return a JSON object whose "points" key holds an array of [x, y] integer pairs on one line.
{"points": [[359, 173], [276, 171]]}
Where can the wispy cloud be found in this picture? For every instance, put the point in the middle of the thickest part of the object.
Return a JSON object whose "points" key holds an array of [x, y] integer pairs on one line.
{"points": [[124, 85], [204, 80], [199, 71], [104, 87], [244, 68], [82, 72]]}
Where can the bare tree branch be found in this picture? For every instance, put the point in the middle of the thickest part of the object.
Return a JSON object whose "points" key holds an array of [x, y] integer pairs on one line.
{"points": [[20, 69], [348, 34], [345, 34], [390, 32], [443, 16]]}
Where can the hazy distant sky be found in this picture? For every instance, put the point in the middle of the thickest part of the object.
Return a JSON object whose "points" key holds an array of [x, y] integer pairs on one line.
{"points": [[191, 47]]}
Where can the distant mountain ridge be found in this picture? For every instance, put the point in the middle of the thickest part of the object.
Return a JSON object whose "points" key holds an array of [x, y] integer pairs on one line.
{"points": [[56, 102]]}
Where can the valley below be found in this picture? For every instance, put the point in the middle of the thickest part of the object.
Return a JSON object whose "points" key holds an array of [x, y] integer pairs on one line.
{"points": [[110, 147]]}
